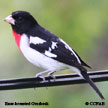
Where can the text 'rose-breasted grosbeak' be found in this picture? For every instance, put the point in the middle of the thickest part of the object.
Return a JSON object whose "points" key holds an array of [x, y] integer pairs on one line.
{"points": [[44, 49]]}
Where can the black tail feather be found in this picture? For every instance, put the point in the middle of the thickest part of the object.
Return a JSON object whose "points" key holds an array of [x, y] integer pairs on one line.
{"points": [[85, 75]]}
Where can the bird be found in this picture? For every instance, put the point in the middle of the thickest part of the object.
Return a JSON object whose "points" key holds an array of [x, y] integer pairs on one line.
{"points": [[44, 49]]}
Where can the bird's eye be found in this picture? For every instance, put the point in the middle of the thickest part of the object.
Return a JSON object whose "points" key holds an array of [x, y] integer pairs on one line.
{"points": [[20, 18]]}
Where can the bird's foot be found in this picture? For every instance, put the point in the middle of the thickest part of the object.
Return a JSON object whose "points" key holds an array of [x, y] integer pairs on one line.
{"points": [[50, 75], [39, 75]]}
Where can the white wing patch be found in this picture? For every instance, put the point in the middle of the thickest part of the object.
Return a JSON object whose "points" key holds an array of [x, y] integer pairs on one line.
{"points": [[36, 40], [49, 49], [54, 45], [69, 48], [49, 54]]}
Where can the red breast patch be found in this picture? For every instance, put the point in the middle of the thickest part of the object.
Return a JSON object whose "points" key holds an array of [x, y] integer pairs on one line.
{"points": [[17, 38]]}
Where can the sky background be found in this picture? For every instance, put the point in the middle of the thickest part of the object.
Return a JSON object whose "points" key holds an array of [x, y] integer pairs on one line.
{"points": [[83, 24]]}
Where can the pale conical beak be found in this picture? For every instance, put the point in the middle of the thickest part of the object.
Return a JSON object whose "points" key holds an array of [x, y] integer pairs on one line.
{"points": [[10, 20]]}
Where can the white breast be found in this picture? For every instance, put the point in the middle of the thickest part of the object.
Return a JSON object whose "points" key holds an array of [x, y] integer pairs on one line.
{"points": [[37, 58]]}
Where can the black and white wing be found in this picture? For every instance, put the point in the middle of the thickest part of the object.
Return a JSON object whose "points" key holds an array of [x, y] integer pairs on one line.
{"points": [[57, 49]]}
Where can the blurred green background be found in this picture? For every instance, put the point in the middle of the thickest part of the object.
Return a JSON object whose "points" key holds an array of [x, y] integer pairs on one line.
{"points": [[81, 23]]}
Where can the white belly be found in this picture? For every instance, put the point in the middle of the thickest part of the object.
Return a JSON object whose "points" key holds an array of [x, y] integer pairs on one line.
{"points": [[39, 59]]}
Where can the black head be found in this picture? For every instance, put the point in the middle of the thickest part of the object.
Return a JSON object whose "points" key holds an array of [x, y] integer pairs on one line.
{"points": [[21, 21]]}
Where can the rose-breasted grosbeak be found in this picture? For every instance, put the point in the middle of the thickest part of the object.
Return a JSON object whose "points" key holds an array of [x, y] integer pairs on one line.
{"points": [[44, 49]]}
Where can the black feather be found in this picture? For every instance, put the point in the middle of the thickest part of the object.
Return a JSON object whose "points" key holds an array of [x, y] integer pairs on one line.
{"points": [[92, 84]]}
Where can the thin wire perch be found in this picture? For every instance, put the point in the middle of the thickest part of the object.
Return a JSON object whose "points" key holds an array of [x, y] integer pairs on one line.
{"points": [[66, 79]]}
